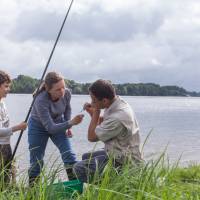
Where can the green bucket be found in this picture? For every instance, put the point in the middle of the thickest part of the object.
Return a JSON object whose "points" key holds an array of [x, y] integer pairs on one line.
{"points": [[66, 189]]}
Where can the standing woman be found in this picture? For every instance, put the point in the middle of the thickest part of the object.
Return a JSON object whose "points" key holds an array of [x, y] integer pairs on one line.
{"points": [[6, 131], [50, 118]]}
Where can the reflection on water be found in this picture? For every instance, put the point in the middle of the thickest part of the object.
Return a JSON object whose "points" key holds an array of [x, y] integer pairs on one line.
{"points": [[174, 120]]}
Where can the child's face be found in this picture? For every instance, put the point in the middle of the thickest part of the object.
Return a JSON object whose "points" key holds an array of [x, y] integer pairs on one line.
{"points": [[4, 89]]}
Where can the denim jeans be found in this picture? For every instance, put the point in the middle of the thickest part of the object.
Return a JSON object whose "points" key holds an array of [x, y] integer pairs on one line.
{"points": [[38, 138], [91, 163]]}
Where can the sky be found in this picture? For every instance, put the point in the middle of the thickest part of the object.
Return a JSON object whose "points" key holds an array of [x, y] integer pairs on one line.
{"points": [[140, 41]]}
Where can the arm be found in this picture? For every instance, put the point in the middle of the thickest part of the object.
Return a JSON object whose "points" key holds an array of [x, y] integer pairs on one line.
{"points": [[43, 112], [92, 137], [9, 131], [5, 132], [68, 110], [109, 129]]}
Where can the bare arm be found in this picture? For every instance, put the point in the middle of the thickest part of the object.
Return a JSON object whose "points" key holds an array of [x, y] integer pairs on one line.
{"points": [[92, 137]]}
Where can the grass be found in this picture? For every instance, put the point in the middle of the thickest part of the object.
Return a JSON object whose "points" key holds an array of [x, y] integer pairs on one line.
{"points": [[152, 180]]}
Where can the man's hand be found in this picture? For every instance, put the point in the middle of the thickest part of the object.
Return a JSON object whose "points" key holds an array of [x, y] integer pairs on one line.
{"points": [[100, 120], [88, 108]]}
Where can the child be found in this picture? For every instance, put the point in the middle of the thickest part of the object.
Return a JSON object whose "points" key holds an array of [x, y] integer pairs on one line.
{"points": [[6, 131]]}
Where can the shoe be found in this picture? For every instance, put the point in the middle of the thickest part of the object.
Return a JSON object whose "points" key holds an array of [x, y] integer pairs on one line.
{"points": [[71, 175], [33, 180]]}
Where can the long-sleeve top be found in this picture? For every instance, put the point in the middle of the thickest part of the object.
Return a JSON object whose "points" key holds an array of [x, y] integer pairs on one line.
{"points": [[5, 130], [54, 116]]}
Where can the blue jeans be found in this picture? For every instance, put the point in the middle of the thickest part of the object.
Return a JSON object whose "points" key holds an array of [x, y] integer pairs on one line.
{"points": [[38, 138], [91, 163]]}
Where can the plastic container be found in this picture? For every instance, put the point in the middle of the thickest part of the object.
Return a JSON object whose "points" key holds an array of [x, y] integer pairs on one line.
{"points": [[66, 189]]}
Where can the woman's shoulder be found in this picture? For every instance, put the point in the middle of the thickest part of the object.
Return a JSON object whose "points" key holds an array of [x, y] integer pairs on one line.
{"points": [[42, 96], [67, 95]]}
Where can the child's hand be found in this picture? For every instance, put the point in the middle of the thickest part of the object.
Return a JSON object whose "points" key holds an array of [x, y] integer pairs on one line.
{"points": [[19, 127]]}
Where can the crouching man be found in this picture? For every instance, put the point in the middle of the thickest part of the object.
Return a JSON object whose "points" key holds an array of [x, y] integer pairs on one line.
{"points": [[117, 129]]}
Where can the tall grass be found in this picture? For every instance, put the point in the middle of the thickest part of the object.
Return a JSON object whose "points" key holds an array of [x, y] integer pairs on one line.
{"points": [[155, 179], [152, 180]]}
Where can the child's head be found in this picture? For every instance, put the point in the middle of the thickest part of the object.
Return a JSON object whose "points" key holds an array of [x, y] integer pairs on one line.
{"points": [[5, 82], [4, 78]]}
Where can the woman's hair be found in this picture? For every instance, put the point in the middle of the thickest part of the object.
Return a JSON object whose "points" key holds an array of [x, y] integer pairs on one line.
{"points": [[102, 89], [50, 79], [4, 77]]}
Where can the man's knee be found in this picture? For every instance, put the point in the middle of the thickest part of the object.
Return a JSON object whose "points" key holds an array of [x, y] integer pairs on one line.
{"points": [[78, 167], [80, 171], [86, 156]]}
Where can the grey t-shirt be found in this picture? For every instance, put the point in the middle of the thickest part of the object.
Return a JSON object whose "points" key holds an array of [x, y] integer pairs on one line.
{"points": [[54, 116], [120, 132], [5, 130]]}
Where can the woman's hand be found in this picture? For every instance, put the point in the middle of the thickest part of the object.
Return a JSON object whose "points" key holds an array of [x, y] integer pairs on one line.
{"points": [[77, 119], [68, 133]]}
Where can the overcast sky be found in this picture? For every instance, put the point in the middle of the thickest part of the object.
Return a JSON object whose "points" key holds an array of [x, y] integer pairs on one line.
{"points": [[120, 40]]}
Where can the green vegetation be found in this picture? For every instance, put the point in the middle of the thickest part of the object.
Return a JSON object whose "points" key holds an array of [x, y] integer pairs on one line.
{"points": [[26, 84], [154, 180], [151, 180]]}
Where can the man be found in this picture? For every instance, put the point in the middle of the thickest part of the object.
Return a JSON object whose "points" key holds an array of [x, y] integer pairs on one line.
{"points": [[118, 129]]}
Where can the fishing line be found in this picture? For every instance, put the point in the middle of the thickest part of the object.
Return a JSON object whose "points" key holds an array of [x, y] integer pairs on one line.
{"points": [[41, 80]]}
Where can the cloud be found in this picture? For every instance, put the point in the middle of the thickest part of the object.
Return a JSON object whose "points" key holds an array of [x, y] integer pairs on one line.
{"points": [[96, 24], [124, 41]]}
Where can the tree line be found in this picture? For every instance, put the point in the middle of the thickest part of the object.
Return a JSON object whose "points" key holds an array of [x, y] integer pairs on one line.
{"points": [[27, 84]]}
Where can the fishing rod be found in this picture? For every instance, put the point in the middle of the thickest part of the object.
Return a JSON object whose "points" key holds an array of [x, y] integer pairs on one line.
{"points": [[41, 80]]}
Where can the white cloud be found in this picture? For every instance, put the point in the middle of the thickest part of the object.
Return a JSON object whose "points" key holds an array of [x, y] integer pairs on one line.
{"points": [[125, 41]]}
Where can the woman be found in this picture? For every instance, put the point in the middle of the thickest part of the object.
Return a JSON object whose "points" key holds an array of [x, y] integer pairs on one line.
{"points": [[6, 131], [50, 118]]}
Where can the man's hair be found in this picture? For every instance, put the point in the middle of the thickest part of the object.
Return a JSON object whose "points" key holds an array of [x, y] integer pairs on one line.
{"points": [[4, 78], [102, 89]]}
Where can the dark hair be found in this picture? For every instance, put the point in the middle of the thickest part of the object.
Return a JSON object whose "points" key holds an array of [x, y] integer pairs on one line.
{"points": [[102, 89], [50, 79], [4, 77]]}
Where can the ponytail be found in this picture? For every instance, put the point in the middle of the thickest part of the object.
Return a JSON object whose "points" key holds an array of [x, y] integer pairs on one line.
{"points": [[41, 89]]}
